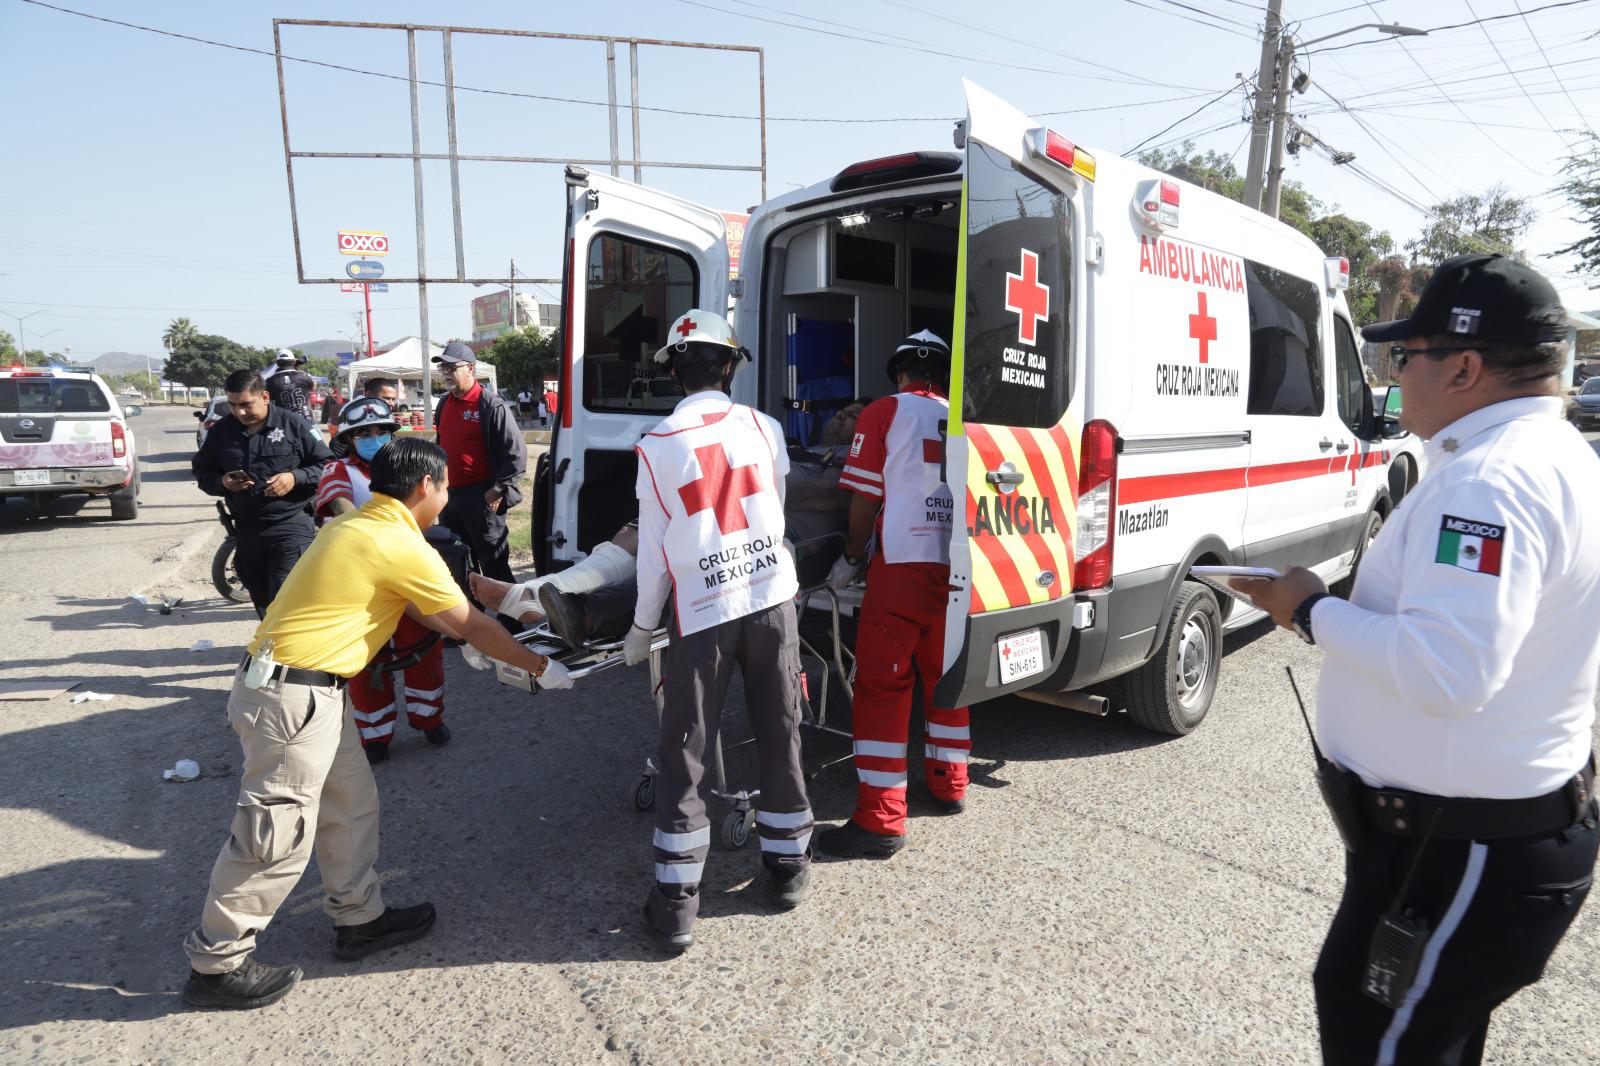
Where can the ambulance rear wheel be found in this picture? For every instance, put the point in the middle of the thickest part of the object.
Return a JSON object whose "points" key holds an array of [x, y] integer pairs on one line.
{"points": [[1172, 692], [644, 793], [1343, 587]]}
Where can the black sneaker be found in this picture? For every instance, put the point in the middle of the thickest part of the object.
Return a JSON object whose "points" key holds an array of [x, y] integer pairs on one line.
{"points": [[666, 943], [397, 925], [438, 736], [376, 753], [945, 806], [786, 885], [850, 841], [565, 614], [251, 985]]}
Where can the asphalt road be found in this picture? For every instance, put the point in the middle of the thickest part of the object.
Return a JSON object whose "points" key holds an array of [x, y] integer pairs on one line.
{"points": [[1109, 897]]}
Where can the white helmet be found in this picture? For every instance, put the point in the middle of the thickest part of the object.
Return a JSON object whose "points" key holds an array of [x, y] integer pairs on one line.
{"points": [[286, 355], [696, 327], [364, 411]]}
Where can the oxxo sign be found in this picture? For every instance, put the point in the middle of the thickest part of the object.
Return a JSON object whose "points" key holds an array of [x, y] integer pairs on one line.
{"points": [[363, 242]]}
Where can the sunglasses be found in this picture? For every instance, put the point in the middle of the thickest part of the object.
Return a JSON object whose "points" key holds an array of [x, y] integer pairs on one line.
{"points": [[451, 368], [1400, 355]]}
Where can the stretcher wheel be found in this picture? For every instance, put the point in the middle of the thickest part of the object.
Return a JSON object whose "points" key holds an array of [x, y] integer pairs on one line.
{"points": [[736, 827], [644, 793]]}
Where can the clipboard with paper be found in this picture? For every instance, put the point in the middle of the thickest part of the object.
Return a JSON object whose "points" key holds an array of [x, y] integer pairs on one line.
{"points": [[1216, 578]]}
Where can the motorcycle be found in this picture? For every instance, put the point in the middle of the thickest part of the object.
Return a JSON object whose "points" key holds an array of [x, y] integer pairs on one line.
{"points": [[224, 575]]}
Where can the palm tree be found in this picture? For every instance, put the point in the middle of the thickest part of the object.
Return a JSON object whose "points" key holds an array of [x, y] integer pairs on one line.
{"points": [[178, 334]]}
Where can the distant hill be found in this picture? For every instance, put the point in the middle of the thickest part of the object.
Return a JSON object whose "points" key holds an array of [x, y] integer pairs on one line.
{"points": [[127, 363], [322, 349]]}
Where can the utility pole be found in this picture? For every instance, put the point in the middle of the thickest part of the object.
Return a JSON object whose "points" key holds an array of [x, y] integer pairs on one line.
{"points": [[513, 277], [1261, 112], [1280, 128]]}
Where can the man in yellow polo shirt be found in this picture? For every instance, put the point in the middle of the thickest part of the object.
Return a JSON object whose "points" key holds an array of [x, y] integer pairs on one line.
{"points": [[305, 783]]}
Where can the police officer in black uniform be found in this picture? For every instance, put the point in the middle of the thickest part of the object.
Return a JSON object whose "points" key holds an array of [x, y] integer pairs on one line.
{"points": [[290, 387], [1456, 703], [265, 462]]}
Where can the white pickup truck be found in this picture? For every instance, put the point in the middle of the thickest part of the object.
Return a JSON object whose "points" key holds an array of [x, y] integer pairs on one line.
{"points": [[63, 432]]}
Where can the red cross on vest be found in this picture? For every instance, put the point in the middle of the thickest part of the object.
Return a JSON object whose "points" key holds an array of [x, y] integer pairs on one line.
{"points": [[687, 326], [1028, 299], [721, 488], [1203, 328], [931, 453]]}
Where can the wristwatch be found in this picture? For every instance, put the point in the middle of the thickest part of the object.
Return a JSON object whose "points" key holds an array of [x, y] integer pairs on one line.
{"points": [[1300, 620]]}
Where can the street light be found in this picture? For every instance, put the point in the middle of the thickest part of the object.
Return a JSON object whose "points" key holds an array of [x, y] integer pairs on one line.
{"points": [[22, 347], [1393, 29]]}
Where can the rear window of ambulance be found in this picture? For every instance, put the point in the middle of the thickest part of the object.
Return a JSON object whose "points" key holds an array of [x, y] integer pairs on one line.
{"points": [[51, 396]]}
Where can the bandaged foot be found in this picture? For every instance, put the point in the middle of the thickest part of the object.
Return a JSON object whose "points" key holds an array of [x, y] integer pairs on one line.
{"points": [[608, 564], [514, 601]]}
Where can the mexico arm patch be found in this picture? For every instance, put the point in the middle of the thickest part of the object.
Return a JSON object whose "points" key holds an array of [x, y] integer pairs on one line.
{"points": [[1470, 545]]}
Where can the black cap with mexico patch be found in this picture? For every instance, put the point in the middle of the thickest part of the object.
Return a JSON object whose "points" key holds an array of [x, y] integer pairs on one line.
{"points": [[1488, 298]]}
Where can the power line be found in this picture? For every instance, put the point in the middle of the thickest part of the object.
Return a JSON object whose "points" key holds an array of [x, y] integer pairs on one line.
{"points": [[1209, 103], [1190, 18], [1453, 26], [1548, 66], [1524, 89]]}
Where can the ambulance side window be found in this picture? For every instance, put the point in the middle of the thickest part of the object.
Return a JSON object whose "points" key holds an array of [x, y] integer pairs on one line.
{"points": [[1018, 350], [1349, 378], [1285, 343], [634, 292]]}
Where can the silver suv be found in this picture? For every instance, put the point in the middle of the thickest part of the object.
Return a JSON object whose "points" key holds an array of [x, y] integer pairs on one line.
{"points": [[63, 432]]}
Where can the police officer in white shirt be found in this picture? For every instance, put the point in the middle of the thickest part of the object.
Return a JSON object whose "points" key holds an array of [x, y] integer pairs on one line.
{"points": [[711, 487], [1456, 704]]}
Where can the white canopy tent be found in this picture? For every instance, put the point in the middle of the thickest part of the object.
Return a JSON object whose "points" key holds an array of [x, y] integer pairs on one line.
{"points": [[404, 361]]}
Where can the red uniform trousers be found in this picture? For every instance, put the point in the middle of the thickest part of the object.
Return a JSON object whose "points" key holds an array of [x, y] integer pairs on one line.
{"points": [[902, 628], [418, 689]]}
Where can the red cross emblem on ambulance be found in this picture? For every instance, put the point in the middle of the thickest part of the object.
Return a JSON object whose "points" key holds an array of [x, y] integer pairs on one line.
{"points": [[721, 489], [1203, 328], [1027, 298]]}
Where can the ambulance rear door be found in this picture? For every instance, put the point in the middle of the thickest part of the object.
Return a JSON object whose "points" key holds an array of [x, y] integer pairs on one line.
{"points": [[636, 260], [1016, 403]]}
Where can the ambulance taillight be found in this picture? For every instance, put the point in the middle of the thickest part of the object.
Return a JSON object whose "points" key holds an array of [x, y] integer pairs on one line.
{"points": [[1155, 203], [1337, 269], [892, 168], [119, 440], [1048, 144], [1097, 505]]}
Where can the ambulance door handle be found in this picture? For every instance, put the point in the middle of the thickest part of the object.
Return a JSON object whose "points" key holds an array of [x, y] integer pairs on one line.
{"points": [[1008, 477], [1324, 443], [1343, 446]]}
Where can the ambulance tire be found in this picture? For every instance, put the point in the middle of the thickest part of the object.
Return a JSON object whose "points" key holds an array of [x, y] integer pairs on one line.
{"points": [[1346, 585], [1172, 692]]}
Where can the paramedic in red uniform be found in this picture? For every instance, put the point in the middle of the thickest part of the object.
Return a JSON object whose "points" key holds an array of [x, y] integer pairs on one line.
{"points": [[365, 426], [478, 431], [711, 493], [893, 469]]}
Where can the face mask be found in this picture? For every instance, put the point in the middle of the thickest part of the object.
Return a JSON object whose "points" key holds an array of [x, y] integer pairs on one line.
{"points": [[367, 447]]}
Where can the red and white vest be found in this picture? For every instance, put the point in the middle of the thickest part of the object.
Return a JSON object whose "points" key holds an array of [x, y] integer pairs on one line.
{"points": [[896, 457], [714, 467], [343, 479]]}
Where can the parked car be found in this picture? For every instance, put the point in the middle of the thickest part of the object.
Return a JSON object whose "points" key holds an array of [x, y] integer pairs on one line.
{"points": [[1585, 410], [1410, 453], [62, 432], [216, 410]]}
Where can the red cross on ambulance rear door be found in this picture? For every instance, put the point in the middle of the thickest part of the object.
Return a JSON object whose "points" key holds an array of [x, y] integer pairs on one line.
{"points": [[1015, 406], [636, 260]]}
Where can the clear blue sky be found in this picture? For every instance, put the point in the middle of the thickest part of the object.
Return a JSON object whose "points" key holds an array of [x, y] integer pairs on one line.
{"points": [[144, 175]]}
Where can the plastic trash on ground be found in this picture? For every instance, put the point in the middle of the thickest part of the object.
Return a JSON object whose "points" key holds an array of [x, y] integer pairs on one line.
{"points": [[99, 697], [185, 770], [202, 645]]}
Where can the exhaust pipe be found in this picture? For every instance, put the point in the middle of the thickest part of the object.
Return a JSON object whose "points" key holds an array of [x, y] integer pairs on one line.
{"points": [[1099, 706]]}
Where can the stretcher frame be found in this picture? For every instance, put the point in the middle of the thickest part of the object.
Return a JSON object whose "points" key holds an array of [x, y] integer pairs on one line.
{"points": [[594, 657]]}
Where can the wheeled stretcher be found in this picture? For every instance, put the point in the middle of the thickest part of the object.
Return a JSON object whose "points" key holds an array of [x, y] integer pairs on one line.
{"points": [[831, 661]]}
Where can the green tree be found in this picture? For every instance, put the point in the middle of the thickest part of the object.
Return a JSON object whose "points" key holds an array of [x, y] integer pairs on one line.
{"points": [[178, 334], [1494, 221], [322, 368], [1365, 248], [1582, 189], [8, 347], [206, 359], [524, 356]]}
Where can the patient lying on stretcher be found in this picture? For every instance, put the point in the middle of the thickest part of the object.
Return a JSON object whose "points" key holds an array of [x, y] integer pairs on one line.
{"points": [[594, 598]]}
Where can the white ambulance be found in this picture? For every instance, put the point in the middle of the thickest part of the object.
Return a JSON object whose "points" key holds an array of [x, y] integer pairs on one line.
{"points": [[1146, 377]]}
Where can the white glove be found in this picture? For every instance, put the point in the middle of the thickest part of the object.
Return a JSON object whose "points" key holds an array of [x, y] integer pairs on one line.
{"points": [[844, 573], [636, 645], [555, 676]]}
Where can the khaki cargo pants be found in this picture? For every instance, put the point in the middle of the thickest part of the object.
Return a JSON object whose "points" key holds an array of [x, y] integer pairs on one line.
{"points": [[306, 784]]}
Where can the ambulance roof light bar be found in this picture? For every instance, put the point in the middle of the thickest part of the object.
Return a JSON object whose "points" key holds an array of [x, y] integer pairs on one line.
{"points": [[1156, 202], [1337, 271], [1046, 143]]}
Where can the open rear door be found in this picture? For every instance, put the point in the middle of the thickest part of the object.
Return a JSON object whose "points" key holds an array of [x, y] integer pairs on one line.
{"points": [[637, 259], [1016, 403]]}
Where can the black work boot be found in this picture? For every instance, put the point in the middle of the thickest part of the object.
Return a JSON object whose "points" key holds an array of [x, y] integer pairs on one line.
{"points": [[786, 885], [396, 925], [850, 841], [438, 736], [945, 806], [666, 943], [564, 612], [251, 985], [376, 753]]}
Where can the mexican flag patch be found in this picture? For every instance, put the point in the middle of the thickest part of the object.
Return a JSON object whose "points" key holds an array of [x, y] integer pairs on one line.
{"points": [[1470, 544]]}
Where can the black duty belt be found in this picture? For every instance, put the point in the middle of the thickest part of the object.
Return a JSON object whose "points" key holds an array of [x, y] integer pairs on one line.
{"points": [[1402, 813], [296, 676]]}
